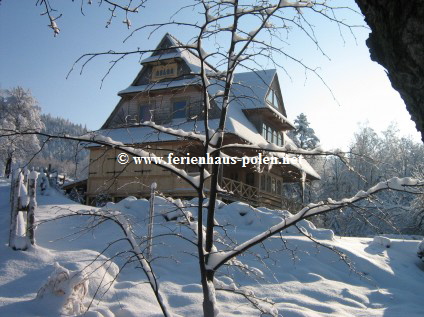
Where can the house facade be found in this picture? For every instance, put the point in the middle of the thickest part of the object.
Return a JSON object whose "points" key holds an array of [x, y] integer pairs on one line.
{"points": [[167, 92]]}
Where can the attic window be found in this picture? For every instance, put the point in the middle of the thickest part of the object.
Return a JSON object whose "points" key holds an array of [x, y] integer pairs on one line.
{"points": [[272, 99], [164, 71]]}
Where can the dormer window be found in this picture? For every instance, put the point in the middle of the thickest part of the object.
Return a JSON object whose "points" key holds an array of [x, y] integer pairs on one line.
{"points": [[164, 71], [272, 99], [272, 135]]}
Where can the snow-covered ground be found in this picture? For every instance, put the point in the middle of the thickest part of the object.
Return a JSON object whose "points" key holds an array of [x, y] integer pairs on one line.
{"points": [[301, 277]]}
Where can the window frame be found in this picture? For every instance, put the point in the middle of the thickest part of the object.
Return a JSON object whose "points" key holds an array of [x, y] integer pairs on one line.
{"points": [[182, 110], [272, 99], [163, 71]]}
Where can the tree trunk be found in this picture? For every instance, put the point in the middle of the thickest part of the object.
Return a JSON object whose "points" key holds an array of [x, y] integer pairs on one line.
{"points": [[8, 167], [16, 205], [397, 43], [32, 181], [209, 298], [13, 211]]}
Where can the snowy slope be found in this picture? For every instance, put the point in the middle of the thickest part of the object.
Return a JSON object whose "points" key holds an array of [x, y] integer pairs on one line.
{"points": [[303, 279]]}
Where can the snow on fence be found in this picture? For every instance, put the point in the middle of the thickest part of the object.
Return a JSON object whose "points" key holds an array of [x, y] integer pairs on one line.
{"points": [[23, 202]]}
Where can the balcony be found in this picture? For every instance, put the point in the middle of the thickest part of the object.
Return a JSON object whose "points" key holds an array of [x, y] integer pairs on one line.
{"points": [[240, 191]]}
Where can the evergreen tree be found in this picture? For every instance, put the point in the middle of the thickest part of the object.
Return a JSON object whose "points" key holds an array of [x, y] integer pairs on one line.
{"points": [[304, 136]]}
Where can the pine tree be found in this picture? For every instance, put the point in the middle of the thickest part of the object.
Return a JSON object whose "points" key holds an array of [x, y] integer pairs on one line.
{"points": [[304, 136]]}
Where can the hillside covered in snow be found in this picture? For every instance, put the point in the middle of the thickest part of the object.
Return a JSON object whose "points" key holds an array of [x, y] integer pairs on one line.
{"points": [[304, 272]]}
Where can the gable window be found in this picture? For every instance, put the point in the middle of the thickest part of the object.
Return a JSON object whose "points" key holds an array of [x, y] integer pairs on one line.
{"points": [[272, 99], [164, 71], [178, 109]]}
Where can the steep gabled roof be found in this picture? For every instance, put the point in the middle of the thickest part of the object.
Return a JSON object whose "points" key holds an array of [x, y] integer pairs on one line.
{"points": [[248, 91], [170, 48]]}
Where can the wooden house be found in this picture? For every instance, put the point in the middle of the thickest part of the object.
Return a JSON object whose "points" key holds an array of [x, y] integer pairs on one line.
{"points": [[167, 92]]}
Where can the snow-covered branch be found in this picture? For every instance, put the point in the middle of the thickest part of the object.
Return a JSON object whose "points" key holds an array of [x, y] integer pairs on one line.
{"points": [[120, 220], [408, 184]]}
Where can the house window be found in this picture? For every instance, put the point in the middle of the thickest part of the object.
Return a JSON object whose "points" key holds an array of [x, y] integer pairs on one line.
{"points": [[273, 185], [272, 99], [178, 109], [268, 183], [279, 188], [145, 113], [263, 182], [269, 135], [250, 179], [164, 71], [274, 137], [279, 139]]}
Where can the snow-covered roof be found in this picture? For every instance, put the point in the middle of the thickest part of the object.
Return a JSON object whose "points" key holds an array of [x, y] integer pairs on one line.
{"points": [[160, 85], [236, 123], [250, 88], [146, 134], [160, 57], [249, 91], [179, 50]]}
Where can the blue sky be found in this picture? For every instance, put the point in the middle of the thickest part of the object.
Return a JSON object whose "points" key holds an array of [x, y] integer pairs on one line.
{"points": [[31, 57]]}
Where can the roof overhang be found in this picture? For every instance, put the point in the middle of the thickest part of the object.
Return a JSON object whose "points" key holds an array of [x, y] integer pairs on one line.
{"points": [[267, 114]]}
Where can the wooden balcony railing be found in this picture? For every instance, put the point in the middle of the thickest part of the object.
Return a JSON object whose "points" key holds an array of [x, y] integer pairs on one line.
{"points": [[240, 190]]}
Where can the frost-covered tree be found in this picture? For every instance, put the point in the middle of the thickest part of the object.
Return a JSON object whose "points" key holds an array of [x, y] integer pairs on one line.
{"points": [[18, 112], [248, 32], [373, 158], [304, 136], [65, 156]]}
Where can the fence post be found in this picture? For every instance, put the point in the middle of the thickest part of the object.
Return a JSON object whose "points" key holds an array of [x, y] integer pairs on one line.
{"points": [[32, 186], [15, 205], [150, 226]]}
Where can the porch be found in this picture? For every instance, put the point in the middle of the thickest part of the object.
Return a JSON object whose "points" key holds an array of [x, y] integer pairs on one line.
{"points": [[257, 196]]}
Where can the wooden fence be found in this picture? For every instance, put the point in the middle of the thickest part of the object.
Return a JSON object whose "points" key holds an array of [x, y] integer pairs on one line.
{"points": [[23, 202]]}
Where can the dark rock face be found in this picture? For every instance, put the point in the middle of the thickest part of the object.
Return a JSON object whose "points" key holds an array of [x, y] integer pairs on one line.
{"points": [[397, 43]]}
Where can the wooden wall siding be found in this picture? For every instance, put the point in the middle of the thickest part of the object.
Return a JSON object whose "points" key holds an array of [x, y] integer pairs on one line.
{"points": [[146, 74], [106, 175], [161, 104]]}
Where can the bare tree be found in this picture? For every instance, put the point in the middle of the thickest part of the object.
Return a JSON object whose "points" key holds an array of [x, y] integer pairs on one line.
{"points": [[243, 46]]}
